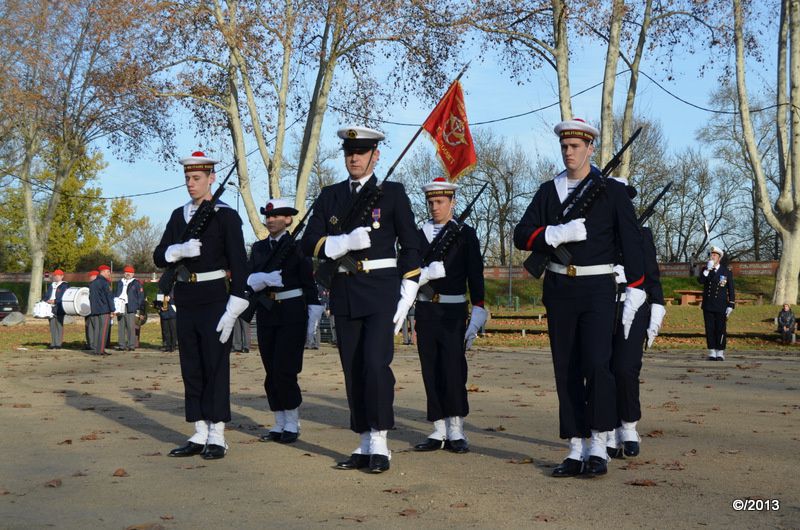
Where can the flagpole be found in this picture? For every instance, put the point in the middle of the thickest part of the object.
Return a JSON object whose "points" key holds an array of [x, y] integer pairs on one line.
{"points": [[421, 127]]}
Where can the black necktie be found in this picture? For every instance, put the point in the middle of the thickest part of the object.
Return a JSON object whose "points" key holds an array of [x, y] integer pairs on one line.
{"points": [[271, 244], [354, 187]]}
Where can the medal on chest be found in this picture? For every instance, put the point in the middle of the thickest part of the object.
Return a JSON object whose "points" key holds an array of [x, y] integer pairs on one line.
{"points": [[722, 281], [376, 218]]}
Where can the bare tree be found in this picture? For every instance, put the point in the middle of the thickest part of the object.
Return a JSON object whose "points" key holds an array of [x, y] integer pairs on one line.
{"points": [[137, 248]]}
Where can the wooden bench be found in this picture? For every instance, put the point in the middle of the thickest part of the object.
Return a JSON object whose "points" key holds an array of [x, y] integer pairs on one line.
{"points": [[689, 296]]}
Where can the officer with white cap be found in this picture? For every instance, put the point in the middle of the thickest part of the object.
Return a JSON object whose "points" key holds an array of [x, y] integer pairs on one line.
{"points": [[370, 304], [208, 305], [443, 335], [580, 296], [719, 299], [281, 324]]}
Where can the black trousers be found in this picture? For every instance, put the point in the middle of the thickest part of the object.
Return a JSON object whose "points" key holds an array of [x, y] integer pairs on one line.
{"points": [[366, 349], [281, 349], [102, 332], [169, 333], [716, 330], [580, 331], [626, 364], [440, 344], [205, 363]]}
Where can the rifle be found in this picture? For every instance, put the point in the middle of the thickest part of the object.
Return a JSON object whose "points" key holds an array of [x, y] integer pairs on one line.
{"points": [[194, 229], [356, 212], [443, 242], [650, 210], [576, 206], [275, 263]]}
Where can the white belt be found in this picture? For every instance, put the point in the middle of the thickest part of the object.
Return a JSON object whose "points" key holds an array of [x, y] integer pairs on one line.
{"points": [[580, 270], [367, 265], [285, 295], [195, 277], [443, 298]]}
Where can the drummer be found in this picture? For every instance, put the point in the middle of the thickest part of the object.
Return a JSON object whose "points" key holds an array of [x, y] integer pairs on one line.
{"points": [[101, 302], [53, 296]]}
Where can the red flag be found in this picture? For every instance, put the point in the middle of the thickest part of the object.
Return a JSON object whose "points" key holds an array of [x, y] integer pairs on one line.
{"points": [[449, 129]]}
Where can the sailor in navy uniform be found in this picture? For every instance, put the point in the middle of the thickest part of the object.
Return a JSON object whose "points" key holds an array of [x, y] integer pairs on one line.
{"points": [[131, 292], [101, 303], [442, 331], [719, 299], [53, 296], [207, 306], [282, 327], [371, 304], [580, 296], [626, 359]]}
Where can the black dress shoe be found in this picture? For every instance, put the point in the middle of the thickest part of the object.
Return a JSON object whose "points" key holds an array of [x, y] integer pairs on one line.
{"points": [[458, 446], [119, 348], [596, 466], [354, 462], [378, 463], [631, 448], [188, 449], [213, 452], [430, 444], [614, 452], [568, 468], [288, 437], [271, 436], [247, 350]]}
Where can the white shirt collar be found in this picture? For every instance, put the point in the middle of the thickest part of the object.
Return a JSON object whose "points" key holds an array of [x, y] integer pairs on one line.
{"points": [[361, 181]]}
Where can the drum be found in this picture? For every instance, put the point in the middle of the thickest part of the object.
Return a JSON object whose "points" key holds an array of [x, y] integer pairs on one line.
{"points": [[119, 306], [42, 309], [76, 301]]}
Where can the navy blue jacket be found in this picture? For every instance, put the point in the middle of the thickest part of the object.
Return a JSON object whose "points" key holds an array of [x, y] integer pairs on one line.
{"points": [[136, 300], [100, 298], [377, 291], [58, 310], [718, 292]]}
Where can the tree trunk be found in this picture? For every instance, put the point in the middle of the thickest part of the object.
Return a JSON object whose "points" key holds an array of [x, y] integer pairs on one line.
{"points": [[561, 46], [788, 270], [609, 82], [627, 116]]}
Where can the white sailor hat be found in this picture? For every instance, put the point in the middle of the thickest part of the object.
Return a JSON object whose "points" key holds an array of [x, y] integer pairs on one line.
{"points": [[354, 137], [717, 250], [278, 207], [576, 128], [198, 162], [440, 187]]}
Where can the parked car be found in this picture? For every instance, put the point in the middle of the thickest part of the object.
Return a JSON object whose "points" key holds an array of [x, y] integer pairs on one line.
{"points": [[8, 303]]}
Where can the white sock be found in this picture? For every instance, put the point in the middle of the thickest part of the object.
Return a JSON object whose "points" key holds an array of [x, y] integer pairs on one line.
{"points": [[628, 432], [200, 435], [720, 354], [363, 448], [216, 434], [280, 421], [455, 428], [597, 444], [377, 443], [575, 448], [611, 439], [439, 430], [712, 354], [292, 420]]}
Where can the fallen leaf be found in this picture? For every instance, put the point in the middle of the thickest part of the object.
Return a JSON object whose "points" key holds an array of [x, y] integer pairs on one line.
{"points": [[55, 483], [674, 466], [4, 492], [91, 436], [65, 442], [409, 512], [21, 405], [145, 526], [640, 482], [499, 428], [356, 518], [693, 452], [542, 518], [394, 490], [157, 453], [120, 473], [520, 461], [655, 434], [459, 505], [80, 474], [167, 517]]}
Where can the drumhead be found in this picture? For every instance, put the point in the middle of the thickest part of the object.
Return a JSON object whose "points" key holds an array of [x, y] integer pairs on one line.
{"points": [[42, 309], [76, 301]]}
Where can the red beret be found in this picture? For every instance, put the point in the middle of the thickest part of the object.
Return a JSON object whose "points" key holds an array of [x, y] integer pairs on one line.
{"points": [[128, 268], [93, 273], [58, 271], [102, 268]]}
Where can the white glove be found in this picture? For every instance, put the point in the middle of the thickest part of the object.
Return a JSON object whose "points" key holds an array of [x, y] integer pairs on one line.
{"points": [[728, 311], [314, 314], [574, 230], [235, 307], [657, 312], [434, 271], [476, 321], [619, 274], [408, 293], [710, 264], [338, 246], [634, 298], [178, 251], [258, 281]]}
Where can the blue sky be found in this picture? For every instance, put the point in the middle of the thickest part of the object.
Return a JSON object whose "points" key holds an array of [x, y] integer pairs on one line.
{"points": [[490, 93]]}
